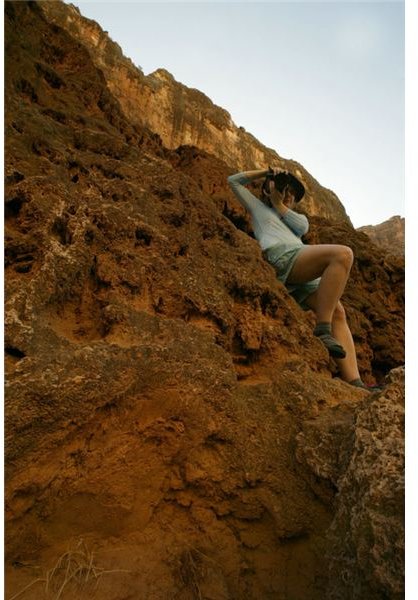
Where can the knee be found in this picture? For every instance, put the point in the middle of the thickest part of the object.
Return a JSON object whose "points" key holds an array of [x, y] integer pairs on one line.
{"points": [[339, 314], [345, 256]]}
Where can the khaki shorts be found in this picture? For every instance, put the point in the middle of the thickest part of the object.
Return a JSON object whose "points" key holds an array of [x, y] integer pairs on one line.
{"points": [[283, 263]]}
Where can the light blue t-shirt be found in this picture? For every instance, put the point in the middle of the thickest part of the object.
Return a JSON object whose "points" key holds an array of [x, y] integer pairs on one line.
{"points": [[270, 228]]}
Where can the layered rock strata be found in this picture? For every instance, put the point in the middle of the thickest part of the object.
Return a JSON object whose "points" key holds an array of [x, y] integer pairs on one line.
{"points": [[182, 115]]}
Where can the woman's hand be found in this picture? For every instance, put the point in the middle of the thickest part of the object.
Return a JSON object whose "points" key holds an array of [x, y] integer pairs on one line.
{"points": [[282, 201]]}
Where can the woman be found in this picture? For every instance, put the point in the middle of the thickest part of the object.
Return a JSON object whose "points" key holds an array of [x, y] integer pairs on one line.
{"points": [[314, 275]]}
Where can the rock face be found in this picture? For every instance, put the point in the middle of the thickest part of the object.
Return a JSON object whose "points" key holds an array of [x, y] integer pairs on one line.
{"points": [[368, 559], [158, 374], [360, 453], [181, 115], [389, 235]]}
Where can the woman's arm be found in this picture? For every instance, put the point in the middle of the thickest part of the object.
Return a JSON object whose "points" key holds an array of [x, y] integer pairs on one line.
{"points": [[246, 176], [252, 175], [237, 184], [239, 180], [297, 222]]}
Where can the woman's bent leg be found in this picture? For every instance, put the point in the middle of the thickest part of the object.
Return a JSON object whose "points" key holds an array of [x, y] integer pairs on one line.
{"points": [[332, 263]]}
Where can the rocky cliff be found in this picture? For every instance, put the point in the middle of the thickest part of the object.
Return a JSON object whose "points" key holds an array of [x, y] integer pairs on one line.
{"points": [[389, 235], [163, 391], [181, 115]]}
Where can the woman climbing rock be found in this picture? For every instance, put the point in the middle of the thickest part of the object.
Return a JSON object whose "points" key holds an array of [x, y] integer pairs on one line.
{"points": [[314, 275]]}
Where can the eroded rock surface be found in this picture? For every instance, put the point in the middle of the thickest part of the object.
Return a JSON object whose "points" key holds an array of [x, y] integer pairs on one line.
{"points": [[357, 450], [389, 235], [157, 372], [367, 533]]}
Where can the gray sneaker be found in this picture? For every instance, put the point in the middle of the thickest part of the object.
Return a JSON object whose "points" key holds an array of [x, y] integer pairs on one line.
{"points": [[334, 348]]}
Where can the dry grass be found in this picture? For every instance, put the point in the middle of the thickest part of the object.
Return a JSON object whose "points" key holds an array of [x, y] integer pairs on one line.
{"points": [[191, 571], [76, 567], [191, 567]]}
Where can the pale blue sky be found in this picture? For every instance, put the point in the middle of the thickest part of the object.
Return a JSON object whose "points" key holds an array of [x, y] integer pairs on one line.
{"points": [[319, 82]]}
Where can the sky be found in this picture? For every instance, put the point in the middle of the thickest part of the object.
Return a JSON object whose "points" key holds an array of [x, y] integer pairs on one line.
{"points": [[321, 83]]}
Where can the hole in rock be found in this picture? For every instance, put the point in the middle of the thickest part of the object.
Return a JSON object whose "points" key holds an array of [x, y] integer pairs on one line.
{"points": [[24, 87], [143, 236], [60, 230], [15, 352], [13, 206], [23, 268], [16, 177]]}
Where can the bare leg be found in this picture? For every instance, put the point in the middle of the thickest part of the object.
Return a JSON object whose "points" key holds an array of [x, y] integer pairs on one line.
{"points": [[347, 366], [332, 263]]}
